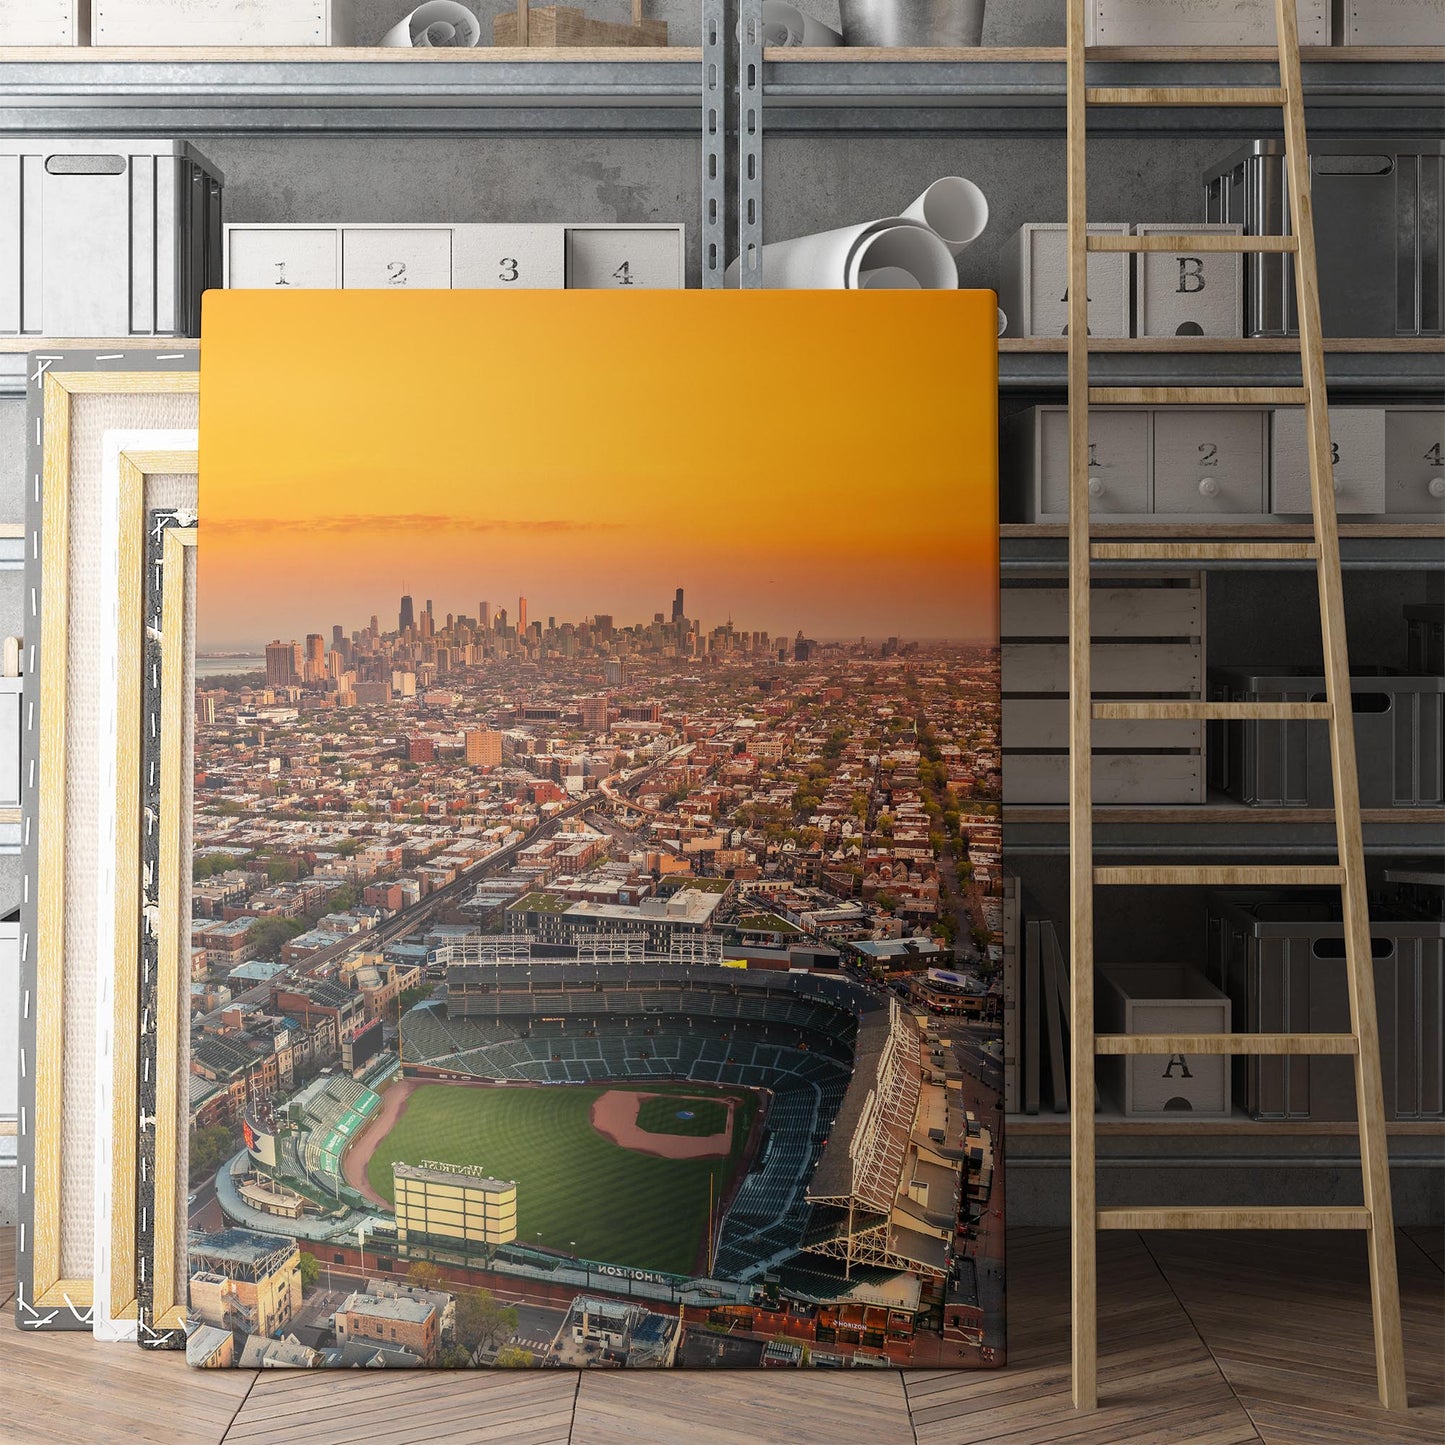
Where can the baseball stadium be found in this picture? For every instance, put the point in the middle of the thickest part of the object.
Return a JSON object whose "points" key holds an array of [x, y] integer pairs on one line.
{"points": [[686, 1119]]}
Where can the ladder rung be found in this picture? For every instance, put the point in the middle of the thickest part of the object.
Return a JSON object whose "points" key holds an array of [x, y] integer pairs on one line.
{"points": [[1206, 551], [1198, 395], [1268, 1044], [1217, 711], [1185, 95], [1246, 876], [1190, 241], [1223, 1217]]}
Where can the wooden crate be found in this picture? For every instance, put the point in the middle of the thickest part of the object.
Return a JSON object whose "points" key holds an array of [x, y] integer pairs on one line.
{"points": [[552, 26]]}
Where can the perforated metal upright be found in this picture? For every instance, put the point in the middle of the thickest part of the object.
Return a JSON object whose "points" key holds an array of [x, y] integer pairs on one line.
{"points": [[732, 118]]}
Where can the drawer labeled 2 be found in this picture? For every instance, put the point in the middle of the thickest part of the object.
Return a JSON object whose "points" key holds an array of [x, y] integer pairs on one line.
{"points": [[1415, 459], [391, 258], [508, 258], [280, 257], [1208, 461], [1357, 452], [1118, 462], [601, 258]]}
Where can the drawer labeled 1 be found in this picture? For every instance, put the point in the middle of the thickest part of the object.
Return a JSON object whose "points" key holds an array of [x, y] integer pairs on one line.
{"points": [[1118, 462], [508, 258], [1415, 459], [1208, 461], [1357, 452], [601, 258], [277, 257], [390, 258]]}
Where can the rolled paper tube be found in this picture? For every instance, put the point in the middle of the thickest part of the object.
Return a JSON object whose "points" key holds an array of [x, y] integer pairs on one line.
{"points": [[1002, 321], [954, 208], [786, 25], [437, 25], [887, 278], [830, 260]]}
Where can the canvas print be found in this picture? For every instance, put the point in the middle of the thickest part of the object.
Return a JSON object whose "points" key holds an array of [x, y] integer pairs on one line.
{"points": [[596, 832]]}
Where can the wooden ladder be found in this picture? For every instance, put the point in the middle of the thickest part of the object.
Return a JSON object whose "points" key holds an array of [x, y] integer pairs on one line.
{"points": [[1375, 1218]]}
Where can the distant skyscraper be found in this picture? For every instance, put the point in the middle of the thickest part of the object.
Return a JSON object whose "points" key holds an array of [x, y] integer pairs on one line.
{"points": [[677, 612], [282, 660], [521, 615], [484, 615], [408, 615], [338, 637]]}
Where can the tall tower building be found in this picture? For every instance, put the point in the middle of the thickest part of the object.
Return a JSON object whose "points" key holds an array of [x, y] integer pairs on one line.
{"points": [[315, 657], [281, 660], [521, 615], [484, 615], [677, 612], [407, 616]]}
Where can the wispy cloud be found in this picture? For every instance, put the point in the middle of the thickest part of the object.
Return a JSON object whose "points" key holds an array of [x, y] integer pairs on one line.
{"points": [[438, 523]]}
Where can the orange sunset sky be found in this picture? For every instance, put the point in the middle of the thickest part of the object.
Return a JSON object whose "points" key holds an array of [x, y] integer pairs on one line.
{"points": [[562, 446]]}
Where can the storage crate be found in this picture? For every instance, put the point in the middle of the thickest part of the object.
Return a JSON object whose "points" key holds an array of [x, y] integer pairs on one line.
{"points": [[44, 22], [1163, 998], [1280, 958], [1399, 739], [1199, 22], [1377, 218], [1389, 22], [1033, 282], [1188, 293], [1425, 637], [106, 237], [222, 22]]}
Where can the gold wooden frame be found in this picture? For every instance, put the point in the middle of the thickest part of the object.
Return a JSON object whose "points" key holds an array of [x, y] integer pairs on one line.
{"points": [[134, 468], [168, 1297], [48, 1288]]}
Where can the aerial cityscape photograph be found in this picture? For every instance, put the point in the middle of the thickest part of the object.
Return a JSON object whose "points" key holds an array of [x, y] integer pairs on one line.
{"points": [[595, 990]]}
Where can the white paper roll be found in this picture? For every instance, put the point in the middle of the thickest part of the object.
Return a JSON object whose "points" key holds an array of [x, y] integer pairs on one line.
{"points": [[1002, 321], [835, 260], [887, 278], [954, 208], [437, 25], [786, 25]]}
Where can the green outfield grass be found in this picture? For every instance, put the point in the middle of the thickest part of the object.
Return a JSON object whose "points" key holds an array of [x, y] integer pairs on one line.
{"points": [[659, 1115], [619, 1206]]}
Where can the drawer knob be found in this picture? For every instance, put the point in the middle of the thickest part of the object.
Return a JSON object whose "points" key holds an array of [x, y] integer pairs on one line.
{"points": [[1096, 486], [1208, 487], [1436, 486]]}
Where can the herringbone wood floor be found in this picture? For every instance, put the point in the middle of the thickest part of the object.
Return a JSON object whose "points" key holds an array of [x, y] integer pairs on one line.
{"points": [[1205, 1340]]}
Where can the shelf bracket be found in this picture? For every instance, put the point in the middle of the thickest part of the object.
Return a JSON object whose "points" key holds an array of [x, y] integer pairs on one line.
{"points": [[714, 143], [750, 143]]}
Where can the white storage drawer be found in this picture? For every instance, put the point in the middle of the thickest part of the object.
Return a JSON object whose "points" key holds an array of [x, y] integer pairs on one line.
{"points": [[303, 258], [1113, 612], [1389, 22], [1033, 287], [507, 257], [1208, 462], [1189, 293], [106, 237], [1415, 460], [1160, 998], [222, 22], [1133, 669], [44, 22], [1120, 779], [1200, 22], [1037, 463], [11, 694], [1357, 444], [386, 258], [601, 258]]}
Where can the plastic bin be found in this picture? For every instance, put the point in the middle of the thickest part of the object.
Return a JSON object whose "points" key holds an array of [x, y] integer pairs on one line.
{"points": [[1280, 958], [1399, 739], [1377, 206], [106, 237], [1425, 637]]}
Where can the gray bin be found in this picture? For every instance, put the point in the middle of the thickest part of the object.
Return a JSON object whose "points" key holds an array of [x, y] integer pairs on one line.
{"points": [[1425, 636], [1399, 739], [106, 238], [1377, 207], [1280, 958]]}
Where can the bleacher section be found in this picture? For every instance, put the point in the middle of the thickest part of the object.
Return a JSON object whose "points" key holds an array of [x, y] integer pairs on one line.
{"points": [[334, 1109]]}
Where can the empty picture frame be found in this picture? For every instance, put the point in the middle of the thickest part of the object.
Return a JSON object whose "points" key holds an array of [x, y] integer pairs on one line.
{"points": [[75, 398], [163, 934], [143, 471]]}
